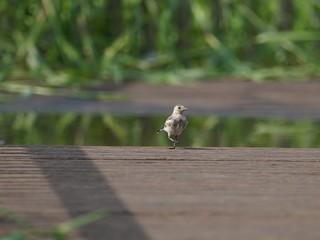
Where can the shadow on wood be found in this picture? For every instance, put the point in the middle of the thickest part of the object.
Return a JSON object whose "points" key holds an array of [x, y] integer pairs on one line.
{"points": [[83, 189]]}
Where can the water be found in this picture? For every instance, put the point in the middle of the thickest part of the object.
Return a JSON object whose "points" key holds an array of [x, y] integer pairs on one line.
{"points": [[109, 130]]}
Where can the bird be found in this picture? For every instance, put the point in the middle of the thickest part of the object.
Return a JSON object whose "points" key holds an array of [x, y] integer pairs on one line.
{"points": [[175, 124]]}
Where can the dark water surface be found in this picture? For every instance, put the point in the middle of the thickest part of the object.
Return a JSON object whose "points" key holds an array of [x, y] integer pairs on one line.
{"points": [[108, 130]]}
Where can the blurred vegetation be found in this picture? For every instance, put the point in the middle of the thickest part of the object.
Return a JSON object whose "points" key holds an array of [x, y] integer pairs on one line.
{"points": [[108, 130], [79, 43], [62, 231]]}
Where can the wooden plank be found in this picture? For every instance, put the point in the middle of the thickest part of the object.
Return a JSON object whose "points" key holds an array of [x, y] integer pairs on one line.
{"points": [[222, 98], [158, 193]]}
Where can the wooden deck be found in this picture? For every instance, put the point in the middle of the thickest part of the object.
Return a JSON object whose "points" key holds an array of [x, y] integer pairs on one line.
{"points": [[158, 193]]}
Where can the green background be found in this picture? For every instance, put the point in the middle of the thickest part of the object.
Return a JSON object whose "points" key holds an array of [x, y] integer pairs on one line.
{"points": [[63, 43]]}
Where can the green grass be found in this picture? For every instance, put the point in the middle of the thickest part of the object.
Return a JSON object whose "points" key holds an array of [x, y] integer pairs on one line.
{"points": [[75, 43]]}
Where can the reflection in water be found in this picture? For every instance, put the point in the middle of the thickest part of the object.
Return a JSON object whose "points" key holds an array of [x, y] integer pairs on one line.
{"points": [[84, 129]]}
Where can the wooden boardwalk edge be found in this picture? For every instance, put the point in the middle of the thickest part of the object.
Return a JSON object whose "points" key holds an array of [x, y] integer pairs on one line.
{"points": [[159, 193], [290, 100]]}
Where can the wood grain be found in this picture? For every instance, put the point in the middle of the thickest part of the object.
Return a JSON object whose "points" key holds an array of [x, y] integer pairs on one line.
{"points": [[158, 193]]}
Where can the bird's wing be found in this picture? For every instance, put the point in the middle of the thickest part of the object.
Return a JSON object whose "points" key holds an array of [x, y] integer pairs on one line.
{"points": [[183, 123], [169, 122], [178, 123]]}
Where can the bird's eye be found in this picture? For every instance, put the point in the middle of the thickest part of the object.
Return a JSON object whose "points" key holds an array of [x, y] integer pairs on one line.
{"points": [[179, 108]]}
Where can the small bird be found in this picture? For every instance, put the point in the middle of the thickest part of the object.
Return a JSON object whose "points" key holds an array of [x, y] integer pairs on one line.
{"points": [[175, 124]]}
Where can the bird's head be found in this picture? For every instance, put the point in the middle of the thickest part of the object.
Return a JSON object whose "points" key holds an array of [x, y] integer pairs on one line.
{"points": [[179, 109]]}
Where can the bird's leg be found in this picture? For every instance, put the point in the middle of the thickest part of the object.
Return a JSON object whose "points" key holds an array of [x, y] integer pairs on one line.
{"points": [[174, 141]]}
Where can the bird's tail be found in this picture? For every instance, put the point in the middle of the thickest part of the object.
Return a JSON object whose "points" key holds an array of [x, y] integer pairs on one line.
{"points": [[160, 130]]}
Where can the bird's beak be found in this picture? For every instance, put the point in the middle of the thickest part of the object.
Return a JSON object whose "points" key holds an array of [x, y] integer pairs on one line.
{"points": [[185, 109]]}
